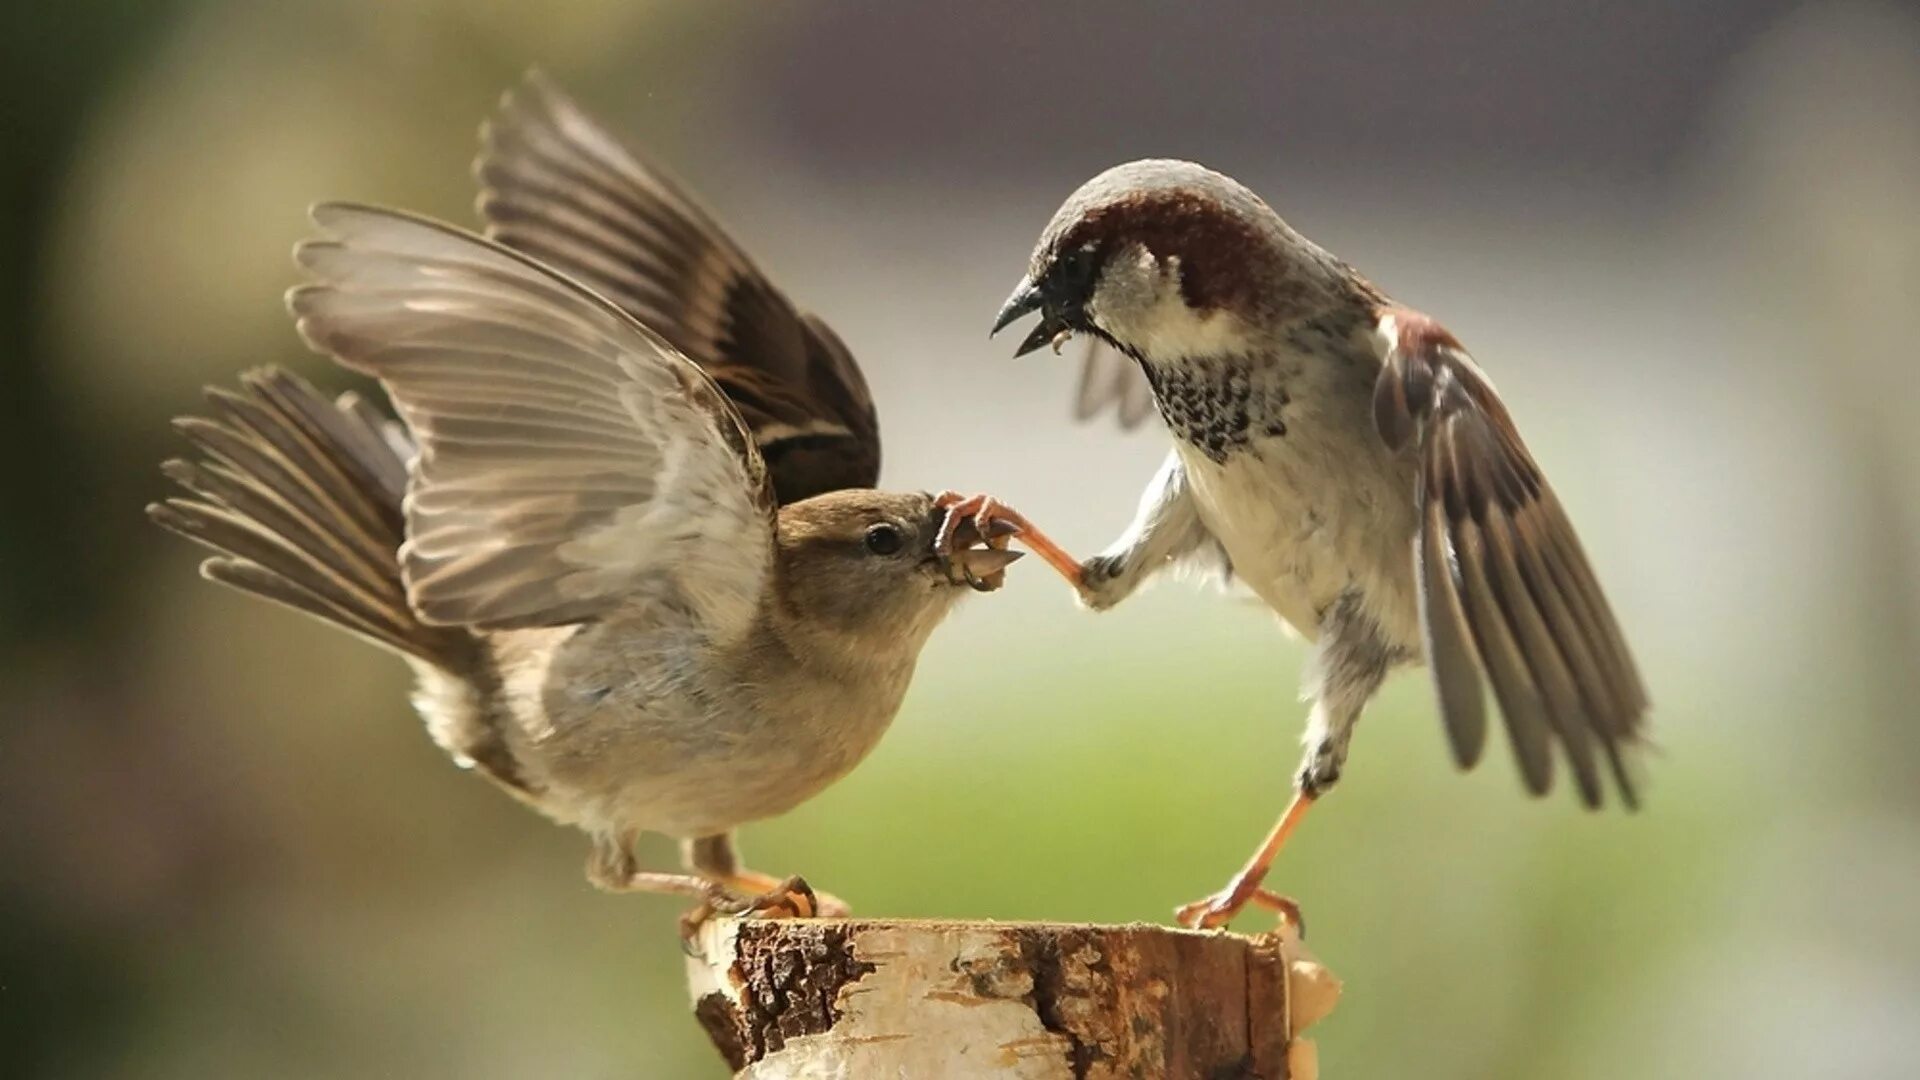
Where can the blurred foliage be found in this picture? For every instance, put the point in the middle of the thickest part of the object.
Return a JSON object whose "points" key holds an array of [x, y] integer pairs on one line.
{"points": [[226, 848]]}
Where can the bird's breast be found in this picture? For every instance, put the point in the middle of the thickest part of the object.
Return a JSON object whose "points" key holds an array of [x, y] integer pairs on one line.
{"points": [[1219, 407], [653, 731], [1310, 506]]}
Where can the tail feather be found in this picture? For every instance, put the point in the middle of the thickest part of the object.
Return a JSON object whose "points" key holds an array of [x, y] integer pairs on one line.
{"points": [[301, 498]]}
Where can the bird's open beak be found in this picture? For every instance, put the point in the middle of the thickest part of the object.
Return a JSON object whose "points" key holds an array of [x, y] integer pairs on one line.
{"points": [[1026, 300], [982, 567]]}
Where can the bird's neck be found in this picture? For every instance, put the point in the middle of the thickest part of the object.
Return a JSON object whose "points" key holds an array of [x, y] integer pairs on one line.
{"points": [[1228, 393], [857, 655]]}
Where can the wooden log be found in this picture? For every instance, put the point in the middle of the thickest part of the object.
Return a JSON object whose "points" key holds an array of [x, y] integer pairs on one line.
{"points": [[830, 998]]}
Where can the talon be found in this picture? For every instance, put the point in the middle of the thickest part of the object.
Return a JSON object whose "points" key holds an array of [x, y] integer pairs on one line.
{"points": [[1209, 913], [1218, 910], [1286, 907], [795, 896], [707, 908], [958, 509], [988, 522], [994, 520], [792, 898]]}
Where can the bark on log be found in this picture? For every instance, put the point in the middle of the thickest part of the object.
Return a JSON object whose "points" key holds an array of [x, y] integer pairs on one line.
{"points": [[857, 998]]}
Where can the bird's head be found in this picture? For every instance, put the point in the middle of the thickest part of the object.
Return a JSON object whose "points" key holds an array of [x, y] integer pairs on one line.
{"points": [[1164, 259], [862, 565]]}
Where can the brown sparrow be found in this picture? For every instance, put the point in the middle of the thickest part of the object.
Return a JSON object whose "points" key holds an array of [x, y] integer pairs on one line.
{"points": [[1344, 459], [641, 576]]}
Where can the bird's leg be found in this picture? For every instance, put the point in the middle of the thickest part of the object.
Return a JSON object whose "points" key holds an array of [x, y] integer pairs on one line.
{"points": [[1285, 907], [1320, 769], [715, 857], [1352, 660], [991, 517], [1165, 527], [612, 867], [1218, 909]]}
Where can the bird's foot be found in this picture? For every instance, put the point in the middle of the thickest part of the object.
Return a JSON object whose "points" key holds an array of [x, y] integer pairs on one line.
{"points": [[755, 896], [1103, 581], [995, 522], [770, 895], [1219, 909]]}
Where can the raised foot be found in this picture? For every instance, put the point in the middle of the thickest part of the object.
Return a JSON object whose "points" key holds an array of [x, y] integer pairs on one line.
{"points": [[994, 522]]}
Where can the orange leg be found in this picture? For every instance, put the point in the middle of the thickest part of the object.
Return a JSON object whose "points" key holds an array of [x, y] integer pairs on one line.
{"points": [[740, 891], [1221, 907], [987, 512]]}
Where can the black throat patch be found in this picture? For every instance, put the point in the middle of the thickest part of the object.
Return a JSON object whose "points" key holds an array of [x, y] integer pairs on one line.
{"points": [[1218, 405]]}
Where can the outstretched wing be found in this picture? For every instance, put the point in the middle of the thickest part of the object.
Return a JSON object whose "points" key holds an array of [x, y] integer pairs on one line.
{"points": [[1505, 589], [556, 186], [1110, 380], [570, 461]]}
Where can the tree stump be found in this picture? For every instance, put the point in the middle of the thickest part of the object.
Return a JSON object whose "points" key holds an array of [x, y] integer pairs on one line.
{"points": [[855, 998]]}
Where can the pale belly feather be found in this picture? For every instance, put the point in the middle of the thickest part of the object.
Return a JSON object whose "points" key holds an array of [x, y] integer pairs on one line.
{"points": [[1305, 518]]}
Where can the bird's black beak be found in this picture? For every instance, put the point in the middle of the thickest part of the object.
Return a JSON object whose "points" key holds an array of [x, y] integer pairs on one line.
{"points": [[1026, 299]]}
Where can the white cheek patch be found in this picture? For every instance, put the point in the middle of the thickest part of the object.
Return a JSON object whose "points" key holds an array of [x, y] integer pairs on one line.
{"points": [[1139, 302]]}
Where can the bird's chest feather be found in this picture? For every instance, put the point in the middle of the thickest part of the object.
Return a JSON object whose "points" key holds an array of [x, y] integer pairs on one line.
{"points": [[1290, 477], [638, 727], [1219, 407]]}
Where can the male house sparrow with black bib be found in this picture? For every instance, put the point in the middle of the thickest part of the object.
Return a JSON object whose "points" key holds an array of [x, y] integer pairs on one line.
{"points": [[1343, 458], [633, 557]]}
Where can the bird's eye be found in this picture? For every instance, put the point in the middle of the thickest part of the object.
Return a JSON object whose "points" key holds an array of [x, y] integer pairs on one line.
{"points": [[883, 539], [1076, 265]]}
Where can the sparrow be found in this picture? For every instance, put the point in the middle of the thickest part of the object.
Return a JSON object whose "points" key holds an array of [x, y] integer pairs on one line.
{"points": [[1343, 458], [627, 540]]}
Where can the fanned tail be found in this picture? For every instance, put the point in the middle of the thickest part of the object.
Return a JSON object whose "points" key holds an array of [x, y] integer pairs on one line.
{"points": [[300, 497]]}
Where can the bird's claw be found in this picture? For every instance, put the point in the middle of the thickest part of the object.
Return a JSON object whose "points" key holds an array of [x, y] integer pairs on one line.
{"points": [[1215, 911], [791, 898], [1209, 912], [993, 522], [972, 519]]}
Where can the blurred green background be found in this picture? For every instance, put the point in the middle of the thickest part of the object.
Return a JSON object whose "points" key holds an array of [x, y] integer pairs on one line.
{"points": [[1684, 238]]}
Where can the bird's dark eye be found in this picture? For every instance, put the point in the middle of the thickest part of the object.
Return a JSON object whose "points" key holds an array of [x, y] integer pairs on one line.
{"points": [[1076, 266], [883, 539]]}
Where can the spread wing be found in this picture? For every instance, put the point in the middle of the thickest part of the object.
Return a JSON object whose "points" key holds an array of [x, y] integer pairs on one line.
{"points": [[1505, 589], [570, 461], [556, 186], [1109, 379]]}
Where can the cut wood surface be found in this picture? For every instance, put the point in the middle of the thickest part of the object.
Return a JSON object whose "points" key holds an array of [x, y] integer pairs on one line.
{"points": [[857, 998]]}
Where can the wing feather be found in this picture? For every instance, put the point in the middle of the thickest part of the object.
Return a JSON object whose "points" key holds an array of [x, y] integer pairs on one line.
{"points": [[1505, 591], [1111, 381], [1450, 652], [556, 186], [569, 462]]}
